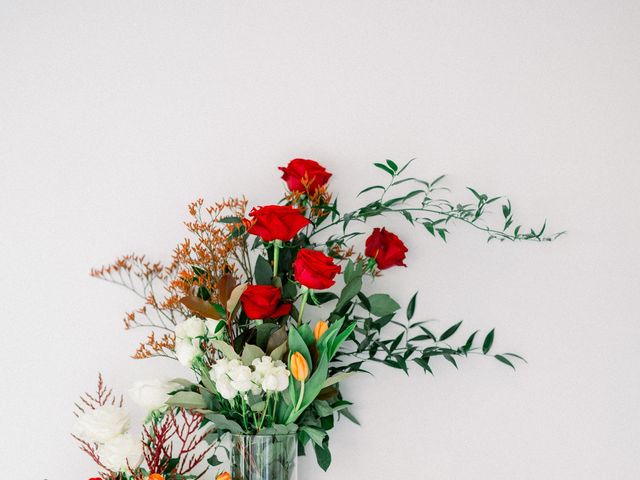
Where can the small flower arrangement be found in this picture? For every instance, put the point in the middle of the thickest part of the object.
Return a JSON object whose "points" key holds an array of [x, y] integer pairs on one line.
{"points": [[272, 311]]}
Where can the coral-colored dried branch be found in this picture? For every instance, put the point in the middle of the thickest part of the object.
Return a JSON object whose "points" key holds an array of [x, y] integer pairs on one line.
{"points": [[213, 250]]}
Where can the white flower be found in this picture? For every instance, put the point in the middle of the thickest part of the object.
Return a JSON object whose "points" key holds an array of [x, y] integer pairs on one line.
{"points": [[186, 351], [214, 328], [262, 366], [102, 424], [276, 380], [225, 388], [121, 453], [219, 369], [241, 378], [152, 394], [191, 328]]}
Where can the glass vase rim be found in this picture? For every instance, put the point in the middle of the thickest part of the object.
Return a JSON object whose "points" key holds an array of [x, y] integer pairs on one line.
{"points": [[279, 435]]}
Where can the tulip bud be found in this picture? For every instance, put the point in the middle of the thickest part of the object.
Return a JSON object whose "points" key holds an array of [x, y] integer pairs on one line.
{"points": [[299, 367], [320, 328], [224, 476], [156, 476]]}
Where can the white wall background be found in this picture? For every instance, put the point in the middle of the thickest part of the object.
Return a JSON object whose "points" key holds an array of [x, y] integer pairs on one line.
{"points": [[114, 115]]}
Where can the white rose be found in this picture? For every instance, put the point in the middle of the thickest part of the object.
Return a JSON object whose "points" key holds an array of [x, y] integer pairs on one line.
{"points": [[192, 327], [186, 352], [214, 327], [102, 424], [152, 394], [121, 453], [241, 378], [225, 388]]}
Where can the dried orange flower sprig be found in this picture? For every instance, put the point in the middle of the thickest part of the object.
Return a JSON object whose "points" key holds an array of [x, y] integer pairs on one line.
{"points": [[211, 252]]}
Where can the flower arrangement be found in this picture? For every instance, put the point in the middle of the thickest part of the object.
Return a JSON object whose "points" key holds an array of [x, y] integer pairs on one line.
{"points": [[270, 312]]}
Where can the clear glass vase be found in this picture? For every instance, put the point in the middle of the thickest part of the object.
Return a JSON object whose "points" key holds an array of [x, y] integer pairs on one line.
{"points": [[264, 457]]}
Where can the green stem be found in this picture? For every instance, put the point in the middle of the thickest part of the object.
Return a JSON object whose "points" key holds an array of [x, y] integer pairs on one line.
{"points": [[299, 404], [305, 296], [277, 244]]}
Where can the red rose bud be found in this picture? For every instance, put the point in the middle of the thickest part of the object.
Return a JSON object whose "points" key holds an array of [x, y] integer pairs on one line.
{"points": [[304, 175], [314, 269], [263, 301], [274, 222], [386, 248]]}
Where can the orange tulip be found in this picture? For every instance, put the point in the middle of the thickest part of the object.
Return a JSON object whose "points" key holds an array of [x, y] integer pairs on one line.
{"points": [[299, 367], [224, 476], [156, 476], [319, 329]]}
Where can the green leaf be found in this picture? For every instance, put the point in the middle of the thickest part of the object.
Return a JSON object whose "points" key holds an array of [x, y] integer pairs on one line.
{"points": [[450, 331], [384, 167], [488, 341], [368, 189], [347, 413], [250, 353], [223, 423], [382, 304], [226, 349], [230, 220], [411, 308], [515, 355], [338, 377], [339, 339], [297, 344], [263, 332], [171, 465], [279, 352], [187, 400], [213, 461], [349, 291], [323, 456], [469, 344], [392, 165], [263, 271], [315, 434], [504, 360]]}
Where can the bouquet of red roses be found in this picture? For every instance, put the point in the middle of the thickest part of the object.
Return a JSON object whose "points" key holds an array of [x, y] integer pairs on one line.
{"points": [[268, 311]]}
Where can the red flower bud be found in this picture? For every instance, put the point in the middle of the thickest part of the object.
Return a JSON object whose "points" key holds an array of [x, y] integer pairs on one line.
{"points": [[386, 248]]}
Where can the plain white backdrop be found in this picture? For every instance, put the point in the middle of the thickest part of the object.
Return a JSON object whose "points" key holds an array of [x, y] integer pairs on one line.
{"points": [[114, 115]]}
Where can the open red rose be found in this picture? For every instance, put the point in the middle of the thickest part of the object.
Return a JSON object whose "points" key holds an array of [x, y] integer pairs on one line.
{"points": [[314, 269], [263, 301], [304, 175], [386, 248], [275, 222]]}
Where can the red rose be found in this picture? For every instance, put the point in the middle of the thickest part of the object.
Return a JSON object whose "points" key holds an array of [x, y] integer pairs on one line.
{"points": [[304, 175], [386, 248], [274, 222], [314, 269], [263, 301]]}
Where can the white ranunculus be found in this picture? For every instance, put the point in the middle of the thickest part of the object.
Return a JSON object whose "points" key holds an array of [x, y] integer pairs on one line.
{"points": [[186, 351], [241, 378], [225, 388], [102, 424], [152, 394], [121, 453], [263, 365], [214, 328], [276, 380], [191, 328], [219, 369]]}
